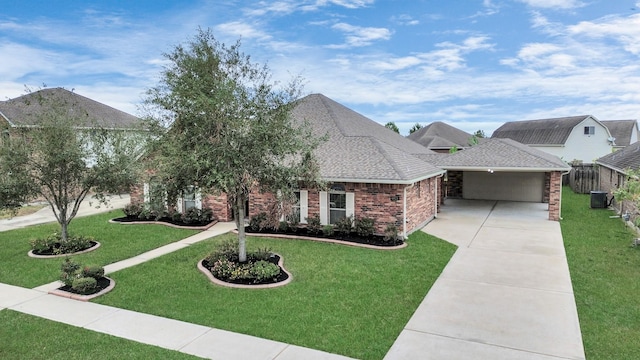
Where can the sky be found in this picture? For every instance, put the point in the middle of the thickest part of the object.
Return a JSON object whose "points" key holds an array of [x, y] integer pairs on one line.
{"points": [[473, 64]]}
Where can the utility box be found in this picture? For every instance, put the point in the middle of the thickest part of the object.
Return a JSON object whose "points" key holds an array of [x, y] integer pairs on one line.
{"points": [[598, 199]]}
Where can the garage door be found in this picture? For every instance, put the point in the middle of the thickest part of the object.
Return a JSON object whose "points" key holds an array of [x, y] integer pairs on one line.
{"points": [[509, 186]]}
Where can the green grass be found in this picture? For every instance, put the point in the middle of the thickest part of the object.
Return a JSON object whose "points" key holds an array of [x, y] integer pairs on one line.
{"points": [[344, 300], [118, 242], [605, 272], [28, 337]]}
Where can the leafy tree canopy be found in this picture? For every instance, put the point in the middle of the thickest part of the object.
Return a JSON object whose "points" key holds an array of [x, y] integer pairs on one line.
{"points": [[392, 126], [415, 128]]}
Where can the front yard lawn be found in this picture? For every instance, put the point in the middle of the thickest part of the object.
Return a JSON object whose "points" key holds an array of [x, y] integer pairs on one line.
{"points": [[344, 300], [24, 336], [605, 272], [118, 242]]}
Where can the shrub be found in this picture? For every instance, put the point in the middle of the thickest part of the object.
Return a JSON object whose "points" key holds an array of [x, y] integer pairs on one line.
{"points": [[344, 225], [314, 226], [328, 230], [69, 271], [176, 217], [364, 227], [206, 215], [258, 222], [132, 209], [391, 233], [92, 271], [283, 226], [191, 216], [84, 285], [54, 243], [263, 270], [260, 254], [228, 249], [222, 269], [145, 214], [44, 244]]}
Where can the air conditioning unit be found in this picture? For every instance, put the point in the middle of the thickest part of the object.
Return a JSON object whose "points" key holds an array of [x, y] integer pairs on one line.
{"points": [[598, 199]]}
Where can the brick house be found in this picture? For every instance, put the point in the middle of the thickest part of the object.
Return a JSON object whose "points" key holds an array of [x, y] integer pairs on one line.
{"points": [[613, 172]]}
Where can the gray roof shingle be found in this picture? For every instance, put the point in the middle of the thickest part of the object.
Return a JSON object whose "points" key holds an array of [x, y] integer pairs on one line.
{"points": [[26, 110], [439, 135], [621, 130], [553, 131], [358, 149], [628, 157], [501, 154]]}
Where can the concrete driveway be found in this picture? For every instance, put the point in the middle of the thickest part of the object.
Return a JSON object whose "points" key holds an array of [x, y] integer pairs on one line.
{"points": [[505, 294]]}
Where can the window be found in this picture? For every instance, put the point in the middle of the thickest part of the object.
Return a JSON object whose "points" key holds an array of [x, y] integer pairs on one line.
{"points": [[337, 207], [295, 209], [589, 130], [189, 198]]}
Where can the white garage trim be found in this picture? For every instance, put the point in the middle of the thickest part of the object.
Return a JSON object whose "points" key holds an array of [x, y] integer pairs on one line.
{"points": [[507, 186]]}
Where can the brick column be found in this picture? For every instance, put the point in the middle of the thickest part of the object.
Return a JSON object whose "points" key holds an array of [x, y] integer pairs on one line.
{"points": [[555, 186]]}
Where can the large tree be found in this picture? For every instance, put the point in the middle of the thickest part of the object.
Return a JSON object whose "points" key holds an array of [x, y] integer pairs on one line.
{"points": [[226, 127], [63, 158]]}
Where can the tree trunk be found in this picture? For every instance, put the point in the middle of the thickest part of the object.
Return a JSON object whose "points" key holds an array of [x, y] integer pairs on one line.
{"points": [[64, 232], [242, 249]]}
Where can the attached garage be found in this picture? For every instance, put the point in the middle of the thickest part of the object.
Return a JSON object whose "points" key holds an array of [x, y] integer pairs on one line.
{"points": [[508, 186]]}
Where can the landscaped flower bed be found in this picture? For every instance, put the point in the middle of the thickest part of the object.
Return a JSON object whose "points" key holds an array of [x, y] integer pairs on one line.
{"points": [[360, 231], [54, 246], [138, 213]]}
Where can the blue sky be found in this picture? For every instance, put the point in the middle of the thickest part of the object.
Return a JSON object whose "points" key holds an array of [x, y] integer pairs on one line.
{"points": [[473, 64]]}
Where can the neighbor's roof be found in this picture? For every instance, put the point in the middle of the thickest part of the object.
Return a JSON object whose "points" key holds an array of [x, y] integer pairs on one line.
{"points": [[439, 135], [501, 155], [358, 149], [628, 157], [553, 131], [26, 110], [621, 130]]}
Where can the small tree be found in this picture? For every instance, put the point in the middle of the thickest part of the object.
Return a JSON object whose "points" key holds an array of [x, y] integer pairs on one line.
{"points": [[229, 127], [63, 158], [415, 128], [479, 134], [392, 126]]}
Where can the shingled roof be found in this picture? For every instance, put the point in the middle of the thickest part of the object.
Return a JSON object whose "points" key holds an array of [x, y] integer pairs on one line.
{"points": [[553, 131], [500, 155], [621, 130], [26, 110], [623, 159], [439, 135], [358, 149]]}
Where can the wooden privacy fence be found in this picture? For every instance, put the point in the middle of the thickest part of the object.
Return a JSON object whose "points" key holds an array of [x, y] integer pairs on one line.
{"points": [[583, 179]]}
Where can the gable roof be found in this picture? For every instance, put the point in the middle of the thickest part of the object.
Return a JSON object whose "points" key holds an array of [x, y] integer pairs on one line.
{"points": [[26, 110], [621, 130], [500, 155], [439, 135], [358, 149], [628, 157], [554, 131]]}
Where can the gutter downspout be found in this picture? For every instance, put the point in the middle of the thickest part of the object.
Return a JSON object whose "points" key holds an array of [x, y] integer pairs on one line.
{"points": [[560, 200]]}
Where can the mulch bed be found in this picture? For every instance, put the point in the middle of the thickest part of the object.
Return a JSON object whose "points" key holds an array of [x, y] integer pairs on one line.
{"points": [[375, 240], [52, 251], [102, 284], [166, 220], [274, 259]]}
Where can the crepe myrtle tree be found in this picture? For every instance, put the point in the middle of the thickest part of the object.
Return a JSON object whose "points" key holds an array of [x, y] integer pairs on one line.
{"points": [[63, 159], [224, 126]]}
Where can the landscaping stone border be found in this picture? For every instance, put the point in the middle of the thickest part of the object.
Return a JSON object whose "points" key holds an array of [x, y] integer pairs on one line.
{"points": [[205, 227], [79, 297], [94, 247], [213, 279], [334, 241]]}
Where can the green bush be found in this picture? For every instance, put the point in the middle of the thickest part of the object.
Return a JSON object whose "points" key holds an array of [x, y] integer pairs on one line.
{"points": [[69, 271], [227, 249], [191, 216], [54, 242], [327, 230], [84, 285], [260, 254], [261, 271], [314, 226], [344, 225], [364, 226], [206, 215], [390, 233], [283, 226], [92, 271], [132, 209], [145, 214], [222, 269], [176, 217], [258, 222], [44, 244]]}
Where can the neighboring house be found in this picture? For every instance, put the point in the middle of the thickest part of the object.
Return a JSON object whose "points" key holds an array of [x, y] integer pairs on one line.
{"points": [[578, 139], [625, 132], [440, 137], [613, 171], [503, 169], [376, 173]]}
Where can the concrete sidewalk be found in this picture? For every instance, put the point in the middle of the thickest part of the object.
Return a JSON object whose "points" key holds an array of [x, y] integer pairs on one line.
{"points": [[89, 206], [505, 294]]}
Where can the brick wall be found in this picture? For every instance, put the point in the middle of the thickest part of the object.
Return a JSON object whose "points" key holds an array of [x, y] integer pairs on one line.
{"points": [[421, 206], [555, 187], [609, 181], [219, 205], [454, 184]]}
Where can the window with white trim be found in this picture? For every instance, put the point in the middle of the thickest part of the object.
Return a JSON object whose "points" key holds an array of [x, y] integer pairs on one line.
{"points": [[589, 130], [337, 206], [189, 198]]}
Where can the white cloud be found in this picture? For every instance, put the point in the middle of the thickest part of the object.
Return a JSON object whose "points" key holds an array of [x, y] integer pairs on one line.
{"points": [[625, 30], [554, 4], [357, 36], [405, 19], [242, 29]]}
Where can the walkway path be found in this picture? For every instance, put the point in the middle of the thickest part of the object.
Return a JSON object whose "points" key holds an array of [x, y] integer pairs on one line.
{"points": [[505, 294]]}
